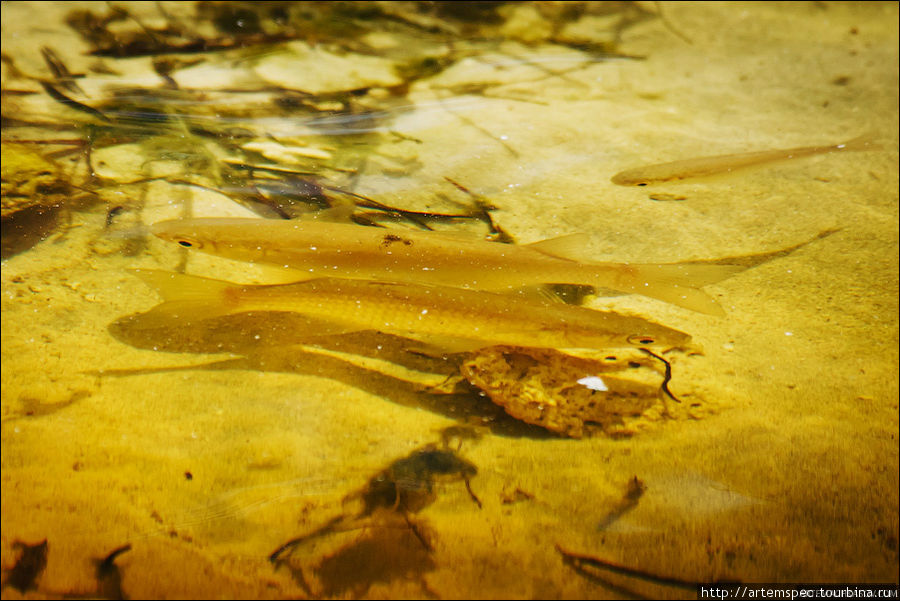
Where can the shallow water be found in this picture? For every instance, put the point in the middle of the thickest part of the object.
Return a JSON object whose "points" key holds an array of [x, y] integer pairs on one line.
{"points": [[208, 448]]}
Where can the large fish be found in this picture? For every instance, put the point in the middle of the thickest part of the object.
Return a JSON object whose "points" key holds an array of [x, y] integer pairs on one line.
{"points": [[451, 319], [316, 249]]}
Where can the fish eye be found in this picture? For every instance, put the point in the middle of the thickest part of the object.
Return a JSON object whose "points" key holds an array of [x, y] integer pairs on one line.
{"points": [[188, 243], [642, 340], [641, 184]]}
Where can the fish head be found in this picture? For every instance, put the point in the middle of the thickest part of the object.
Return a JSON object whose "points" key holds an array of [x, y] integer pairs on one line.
{"points": [[658, 337], [179, 232], [238, 239], [631, 177]]}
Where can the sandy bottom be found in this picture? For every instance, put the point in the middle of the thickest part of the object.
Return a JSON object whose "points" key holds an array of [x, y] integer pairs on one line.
{"points": [[206, 462]]}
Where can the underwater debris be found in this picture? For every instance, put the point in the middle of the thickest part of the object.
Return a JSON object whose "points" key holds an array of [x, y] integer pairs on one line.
{"points": [[667, 377], [633, 492], [608, 573], [298, 188], [480, 128], [171, 39], [482, 210], [511, 497], [35, 191], [28, 567], [63, 76], [72, 103], [192, 127], [342, 129], [291, 188], [222, 26], [30, 179], [541, 387], [378, 540], [112, 213], [109, 576]]}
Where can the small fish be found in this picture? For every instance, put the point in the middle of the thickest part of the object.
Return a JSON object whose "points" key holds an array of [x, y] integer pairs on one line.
{"points": [[451, 319], [315, 249], [705, 167]]}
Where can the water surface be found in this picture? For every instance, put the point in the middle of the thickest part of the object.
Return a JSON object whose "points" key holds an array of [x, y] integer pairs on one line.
{"points": [[206, 449]]}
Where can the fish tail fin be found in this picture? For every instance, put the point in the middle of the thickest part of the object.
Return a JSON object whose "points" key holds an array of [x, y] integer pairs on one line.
{"points": [[866, 142], [679, 284], [187, 297]]}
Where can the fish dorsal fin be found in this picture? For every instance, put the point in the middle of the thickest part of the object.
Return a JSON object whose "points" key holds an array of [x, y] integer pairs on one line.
{"points": [[570, 247], [340, 213]]}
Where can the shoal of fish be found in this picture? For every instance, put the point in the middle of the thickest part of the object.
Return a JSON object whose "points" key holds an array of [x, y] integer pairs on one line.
{"points": [[447, 291]]}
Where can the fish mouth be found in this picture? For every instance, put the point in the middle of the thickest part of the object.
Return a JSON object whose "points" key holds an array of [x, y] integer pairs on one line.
{"points": [[164, 229], [160, 227], [688, 347]]}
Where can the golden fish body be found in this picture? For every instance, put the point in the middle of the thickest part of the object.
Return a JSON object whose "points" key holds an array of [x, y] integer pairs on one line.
{"points": [[453, 318], [321, 249], [706, 167]]}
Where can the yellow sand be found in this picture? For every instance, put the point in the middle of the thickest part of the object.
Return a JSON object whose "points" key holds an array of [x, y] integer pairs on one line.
{"points": [[793, 479]]}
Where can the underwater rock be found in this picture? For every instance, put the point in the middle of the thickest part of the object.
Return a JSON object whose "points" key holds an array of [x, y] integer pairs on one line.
{"points": [[325, 72], [34, 190], [29, 180], [540, 387]]}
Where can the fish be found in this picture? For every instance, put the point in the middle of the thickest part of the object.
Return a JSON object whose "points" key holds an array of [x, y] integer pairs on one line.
{"points": [[707, 167], [318, 248], [451, 319]]}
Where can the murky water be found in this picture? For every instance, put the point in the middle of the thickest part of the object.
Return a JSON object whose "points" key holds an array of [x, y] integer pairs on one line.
{"points": [[233, 458]]}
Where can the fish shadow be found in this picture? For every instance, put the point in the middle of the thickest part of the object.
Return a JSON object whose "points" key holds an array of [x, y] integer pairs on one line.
{"points": [[379, 364]]}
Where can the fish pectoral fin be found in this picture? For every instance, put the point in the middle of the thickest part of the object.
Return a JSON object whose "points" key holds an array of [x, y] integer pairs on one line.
{"points": [[179, 287], [570, 247], [537, 293], [436, 345], [276, 274]]}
